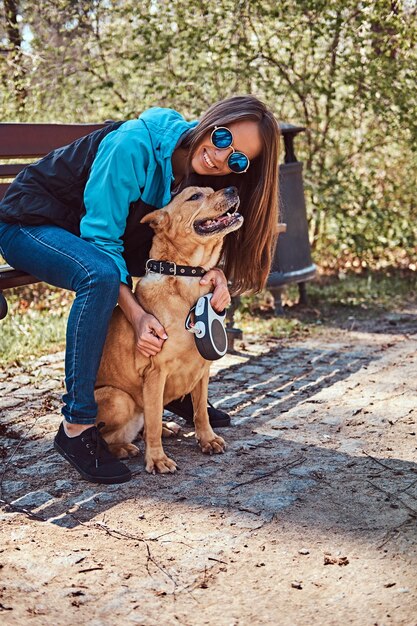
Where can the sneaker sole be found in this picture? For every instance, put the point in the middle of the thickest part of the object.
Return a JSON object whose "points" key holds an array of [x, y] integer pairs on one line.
{"points": [[213, 423], [219, 423], [106, 480]]}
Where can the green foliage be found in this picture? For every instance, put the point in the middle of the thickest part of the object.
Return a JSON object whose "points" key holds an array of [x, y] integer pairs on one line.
{"points": [[36, 323], [23, 337], [38, 313], [344, 70], [370, 292], [342, 300]]}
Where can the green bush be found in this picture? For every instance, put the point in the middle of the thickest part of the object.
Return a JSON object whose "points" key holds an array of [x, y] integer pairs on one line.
{"points": [[344, 70]]}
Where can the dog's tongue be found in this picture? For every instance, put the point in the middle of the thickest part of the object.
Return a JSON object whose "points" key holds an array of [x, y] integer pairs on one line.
{"points": [[224, 219], [218, 224]]}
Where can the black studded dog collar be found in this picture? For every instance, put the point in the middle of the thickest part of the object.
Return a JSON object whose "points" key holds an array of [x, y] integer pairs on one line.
{"points": [[172, 269]]}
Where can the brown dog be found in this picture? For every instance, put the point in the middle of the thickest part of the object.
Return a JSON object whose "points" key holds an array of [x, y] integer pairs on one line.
{"points": [[132, 389]]}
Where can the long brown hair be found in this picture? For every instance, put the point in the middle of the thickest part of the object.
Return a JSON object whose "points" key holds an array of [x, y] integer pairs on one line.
{"points": [[247, 254]]}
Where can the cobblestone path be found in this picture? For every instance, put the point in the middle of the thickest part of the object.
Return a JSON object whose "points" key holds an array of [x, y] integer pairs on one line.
{"points": [[309, 517]]}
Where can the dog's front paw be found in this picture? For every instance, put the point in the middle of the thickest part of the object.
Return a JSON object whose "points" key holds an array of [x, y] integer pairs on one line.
{"points": [[123, 450], [159, 462], [212, 444]]}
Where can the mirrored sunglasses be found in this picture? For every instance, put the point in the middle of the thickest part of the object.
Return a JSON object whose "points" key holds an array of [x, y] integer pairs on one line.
{"points": [[222, 138]]}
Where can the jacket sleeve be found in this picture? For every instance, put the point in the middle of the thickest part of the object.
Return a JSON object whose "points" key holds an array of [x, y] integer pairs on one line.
{"points": [[116, 179]]}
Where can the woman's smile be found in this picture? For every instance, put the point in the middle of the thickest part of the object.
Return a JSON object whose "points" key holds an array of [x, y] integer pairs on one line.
{"points": [[207, 161]]}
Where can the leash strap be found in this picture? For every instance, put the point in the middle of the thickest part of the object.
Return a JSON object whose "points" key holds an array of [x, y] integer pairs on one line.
{"points": [[190, 326], [172, 269]]}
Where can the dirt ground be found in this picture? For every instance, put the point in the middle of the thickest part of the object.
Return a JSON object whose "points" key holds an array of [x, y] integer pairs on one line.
{"points": [[308, 518]]}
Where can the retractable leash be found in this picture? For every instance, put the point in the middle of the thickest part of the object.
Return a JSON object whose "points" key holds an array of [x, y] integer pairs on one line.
{"points": [[208, 328]]}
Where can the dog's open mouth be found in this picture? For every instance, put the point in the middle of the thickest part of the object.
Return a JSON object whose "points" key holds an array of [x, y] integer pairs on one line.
{"points": [[217, 224]]}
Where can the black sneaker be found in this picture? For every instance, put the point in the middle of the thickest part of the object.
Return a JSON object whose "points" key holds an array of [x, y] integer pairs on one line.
{"points": [[91, 457], [184, 408]]}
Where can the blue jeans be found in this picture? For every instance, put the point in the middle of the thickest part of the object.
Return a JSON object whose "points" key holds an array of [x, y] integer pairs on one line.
{"points": [[64, 260]]}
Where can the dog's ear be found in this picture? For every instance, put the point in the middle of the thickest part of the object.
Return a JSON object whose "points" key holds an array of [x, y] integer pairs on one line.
{"points": [[157, 219]]}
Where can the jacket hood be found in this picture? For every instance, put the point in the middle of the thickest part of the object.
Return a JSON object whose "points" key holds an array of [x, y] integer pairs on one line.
{"points": [[166, 128]]}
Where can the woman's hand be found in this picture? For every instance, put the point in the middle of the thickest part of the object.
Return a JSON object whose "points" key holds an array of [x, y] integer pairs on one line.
{"points": [[221, 296], [149, 334]]}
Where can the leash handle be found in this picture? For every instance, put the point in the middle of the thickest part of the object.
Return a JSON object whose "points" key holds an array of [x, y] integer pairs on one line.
{"points": [[196, 329], [208, 329], [189, 325], [188, 321]]}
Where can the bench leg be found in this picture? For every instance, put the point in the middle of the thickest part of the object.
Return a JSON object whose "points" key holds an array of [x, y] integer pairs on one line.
{"points": [[277, 293], [232, 332], [3, 306], [302, 289]]}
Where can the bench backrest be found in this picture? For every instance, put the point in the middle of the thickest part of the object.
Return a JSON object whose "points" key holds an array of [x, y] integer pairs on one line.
{"points": [[31, 142]]}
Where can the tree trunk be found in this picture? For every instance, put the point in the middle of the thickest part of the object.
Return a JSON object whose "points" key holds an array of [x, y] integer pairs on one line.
{"points": [[15, 56]]}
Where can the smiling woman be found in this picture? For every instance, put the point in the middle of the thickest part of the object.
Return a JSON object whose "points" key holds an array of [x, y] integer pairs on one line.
{"points": [[74, 220], [250, 130]]}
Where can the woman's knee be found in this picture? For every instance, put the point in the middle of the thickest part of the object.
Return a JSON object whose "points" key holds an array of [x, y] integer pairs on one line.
{"points": [[102, 276]]}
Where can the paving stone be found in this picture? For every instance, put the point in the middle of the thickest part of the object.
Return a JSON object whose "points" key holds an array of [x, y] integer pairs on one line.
{"points": [[11, 487], [65, 485], [8, 402], [22, 379], [332, 420], [63, 520], [12, 371], [7, 386], [270, 501], [33, 499], [252, 369], [48, 423], [307, 470], [205, 470], [45, 467], [283, 424], [30, 392], [89, 499], [243, 490], [50, 358], [11, 416]]}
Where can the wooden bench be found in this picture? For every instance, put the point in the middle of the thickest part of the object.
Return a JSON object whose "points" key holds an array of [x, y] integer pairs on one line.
{"points": [[21, 144]]}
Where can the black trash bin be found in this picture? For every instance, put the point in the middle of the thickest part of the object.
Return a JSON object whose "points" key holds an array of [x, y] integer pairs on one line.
{"points": [[292, 261]]}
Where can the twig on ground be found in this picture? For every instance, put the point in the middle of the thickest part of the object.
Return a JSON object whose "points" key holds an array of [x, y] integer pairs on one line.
{"points": [[163, 535], [394, 495], [90, 569], [21, 509], [117, 534], [380, 462], [278, 468], [246, 510], [408, 487], [9, 460], [391, 531], [18, 509], [187, 545]]}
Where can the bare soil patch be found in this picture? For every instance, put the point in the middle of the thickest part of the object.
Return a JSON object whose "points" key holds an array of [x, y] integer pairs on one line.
{"points": [[309, 517]]}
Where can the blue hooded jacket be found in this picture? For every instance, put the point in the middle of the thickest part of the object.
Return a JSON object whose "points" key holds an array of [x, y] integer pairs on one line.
{"points": [[132, 163], [101, 185]]}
